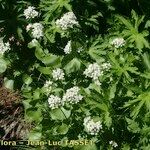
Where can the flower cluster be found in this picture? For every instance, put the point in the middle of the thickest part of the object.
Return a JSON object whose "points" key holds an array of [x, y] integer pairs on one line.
{"points": [[48, 86], [93, 71], [58, 74], [113, 144], [68, 48], [92, 127], [54, 102], [106, 66], [4, 46], [118, 42], [34, 42], [97, 82], [72, 95], [36, 30], [68, 20], [30, 12]]}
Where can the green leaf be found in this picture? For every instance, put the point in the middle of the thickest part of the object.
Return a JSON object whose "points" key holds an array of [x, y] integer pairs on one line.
{"points": [[51, 60], [60, 114], [26, 104], [39, 53], [36, 94], [132, 31], [33, 136], [96, 50], [140, 41], [67, 113], [125, 21], [86, 147], [133, 126], [73, 66], [3, 65], [34, 115], [97, 55], [58, 91], [138, 104], [68, 6], [27, 79], [107, 119], [47, 59], [20, 35], [34, 44], [63, 129], [112, 91], [147, 25], [9, 84], [125, 147], [106, 114], [146, 59], [45, 70]]}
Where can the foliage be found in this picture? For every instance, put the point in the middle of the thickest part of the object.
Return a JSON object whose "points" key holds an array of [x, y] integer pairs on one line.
{"points": [[104, 71]]}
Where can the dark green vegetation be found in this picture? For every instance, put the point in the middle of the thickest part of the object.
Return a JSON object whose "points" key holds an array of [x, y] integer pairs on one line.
{"points": [[121, 103]]}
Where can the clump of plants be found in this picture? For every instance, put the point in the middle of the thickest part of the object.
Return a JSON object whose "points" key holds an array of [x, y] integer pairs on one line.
{"points": [[83, 71]]}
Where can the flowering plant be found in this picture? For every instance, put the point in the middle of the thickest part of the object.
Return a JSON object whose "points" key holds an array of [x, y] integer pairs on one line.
{"points": [[83, 70]]}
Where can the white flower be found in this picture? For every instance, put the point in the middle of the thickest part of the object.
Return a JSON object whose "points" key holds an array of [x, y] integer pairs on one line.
{"points": [[36, 30], [58, 74], [93, 71], [72, 95], [48, 83], [92, 127], [68, 20], [68, 48], [113, 144], [29, 27], [82, 137], [106, 66], [48, 86], [118, 42], [97, 82], [54, 102], [30, 12], [34, 42], [86, 120], [4, 46]]}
